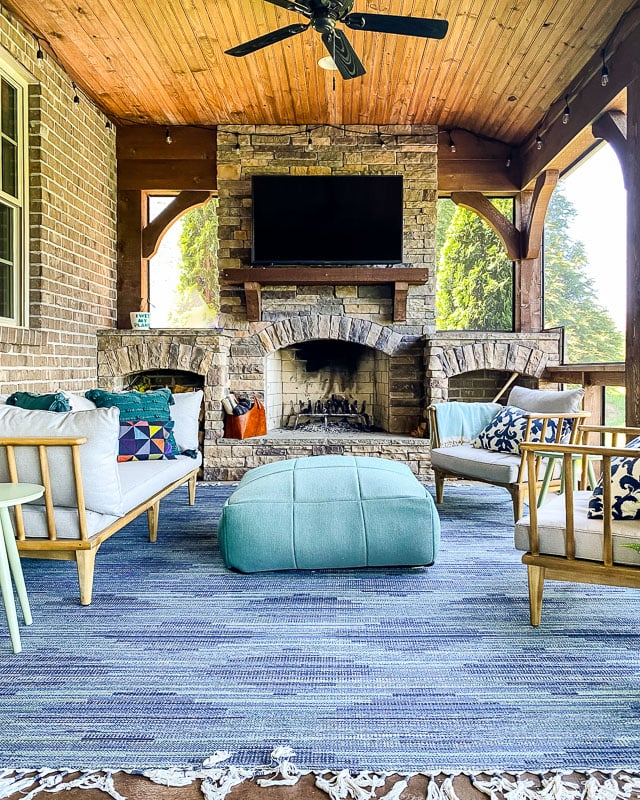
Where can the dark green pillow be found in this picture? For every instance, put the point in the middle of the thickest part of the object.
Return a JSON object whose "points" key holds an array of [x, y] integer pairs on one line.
{"points": [[40, 402]]}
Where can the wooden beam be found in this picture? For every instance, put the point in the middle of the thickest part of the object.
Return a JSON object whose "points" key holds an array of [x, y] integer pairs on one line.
{"points": [[612, 127], [587, 104], [319, 276], [148, 142], [534, 228], [633, 257], [152, 233], [506, 230], [167, 176]]}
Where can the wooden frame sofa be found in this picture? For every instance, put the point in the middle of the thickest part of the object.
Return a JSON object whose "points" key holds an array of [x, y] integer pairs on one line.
{"points": [[89, 495], [561, 541]]}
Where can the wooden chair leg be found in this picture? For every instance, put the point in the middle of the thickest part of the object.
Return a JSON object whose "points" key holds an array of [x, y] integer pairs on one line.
{"points": [[439, 479], [85, 561], [535, 577], [192, 490], [153, 515]]}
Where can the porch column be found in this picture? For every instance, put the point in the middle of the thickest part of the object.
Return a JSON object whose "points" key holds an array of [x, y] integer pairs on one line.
{"points": [[633, 255]]}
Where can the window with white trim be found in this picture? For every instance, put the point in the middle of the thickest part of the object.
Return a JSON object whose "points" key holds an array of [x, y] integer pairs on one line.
{"points": [[13, 196]]}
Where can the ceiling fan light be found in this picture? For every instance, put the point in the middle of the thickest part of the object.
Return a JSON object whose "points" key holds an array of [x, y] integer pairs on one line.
{"points": [[326, 62]]}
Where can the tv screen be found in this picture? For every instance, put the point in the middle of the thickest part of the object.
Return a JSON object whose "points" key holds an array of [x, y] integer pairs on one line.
{"points": [[327, 219]]}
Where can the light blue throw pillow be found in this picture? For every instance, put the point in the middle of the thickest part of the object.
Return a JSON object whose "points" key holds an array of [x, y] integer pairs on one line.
{"points": [[506, 431], [625, 489]]}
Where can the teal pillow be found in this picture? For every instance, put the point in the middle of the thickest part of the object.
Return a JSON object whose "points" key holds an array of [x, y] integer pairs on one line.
{"points": [[151, 406], [39, 402]]}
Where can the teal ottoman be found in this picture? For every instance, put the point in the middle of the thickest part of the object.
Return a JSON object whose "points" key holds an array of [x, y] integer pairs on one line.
{"points": [[325, 512]]}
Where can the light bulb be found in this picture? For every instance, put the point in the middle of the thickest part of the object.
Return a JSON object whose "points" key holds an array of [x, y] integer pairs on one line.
{"points": [[167, 137], [604, 76], [538, 142]]}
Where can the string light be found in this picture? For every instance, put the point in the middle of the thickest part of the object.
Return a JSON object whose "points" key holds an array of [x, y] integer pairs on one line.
{"points": [[381, 141], [309, 140], [107, 125], [604, 72], [39, 53], [167, 136], [452, 144], [507, 163], [566, 114], [538, 141], [236, 146], [76, 96]]}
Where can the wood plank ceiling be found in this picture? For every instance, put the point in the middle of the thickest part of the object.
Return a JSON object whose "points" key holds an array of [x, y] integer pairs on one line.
{"points": [[497, 72]]}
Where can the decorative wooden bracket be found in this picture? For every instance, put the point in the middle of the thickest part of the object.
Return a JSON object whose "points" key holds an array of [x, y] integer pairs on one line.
{"points": [[504, 228], [253, 278], [152, 233], [523, 243], [612, 127]]}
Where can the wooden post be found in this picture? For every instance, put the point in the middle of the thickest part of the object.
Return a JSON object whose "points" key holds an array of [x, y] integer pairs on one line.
{"points": [[633, 255], [133, 289]]}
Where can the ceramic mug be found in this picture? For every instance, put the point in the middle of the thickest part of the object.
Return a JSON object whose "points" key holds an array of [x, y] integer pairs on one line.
{"points": [[139, 320]]}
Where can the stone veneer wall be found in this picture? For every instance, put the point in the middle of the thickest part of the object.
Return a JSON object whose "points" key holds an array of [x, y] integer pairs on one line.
{"points": [[72, 176]]}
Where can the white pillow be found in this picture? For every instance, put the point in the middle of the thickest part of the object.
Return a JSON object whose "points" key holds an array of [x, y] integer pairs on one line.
{"points": [[98, 457], [78, 402], [185, 412], [544, 402]]}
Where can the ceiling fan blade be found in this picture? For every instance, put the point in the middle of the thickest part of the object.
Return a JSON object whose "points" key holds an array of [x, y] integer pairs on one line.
{"points": [[348, 63], [293, 5], [268, 38], [407, 26]]}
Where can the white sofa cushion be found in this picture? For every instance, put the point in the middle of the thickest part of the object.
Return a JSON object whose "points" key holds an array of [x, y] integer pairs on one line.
{"points": [[546, 402], [588, 532], [471, 462], [185, 412], [97, 457], [142, 479]]}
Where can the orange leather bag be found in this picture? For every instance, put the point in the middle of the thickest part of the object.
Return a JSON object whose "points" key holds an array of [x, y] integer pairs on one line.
{"points": [[244, 426]]}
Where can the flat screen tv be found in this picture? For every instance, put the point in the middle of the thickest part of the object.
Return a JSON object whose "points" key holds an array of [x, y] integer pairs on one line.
{"points": [[326, 219]]}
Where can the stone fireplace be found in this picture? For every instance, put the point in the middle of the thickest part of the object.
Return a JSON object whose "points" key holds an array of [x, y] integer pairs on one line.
{"points": [[368, 334]]}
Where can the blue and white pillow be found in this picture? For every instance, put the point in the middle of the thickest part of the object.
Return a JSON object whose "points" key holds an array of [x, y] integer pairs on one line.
{"points": [[625, 489], [506, 431]]}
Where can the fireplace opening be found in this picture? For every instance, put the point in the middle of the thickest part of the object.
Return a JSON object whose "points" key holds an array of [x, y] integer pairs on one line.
{"points": [[327, 385]]}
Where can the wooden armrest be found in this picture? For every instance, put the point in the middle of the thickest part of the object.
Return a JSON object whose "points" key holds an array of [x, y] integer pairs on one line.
{"points": [[581, 449], [35, 441]]}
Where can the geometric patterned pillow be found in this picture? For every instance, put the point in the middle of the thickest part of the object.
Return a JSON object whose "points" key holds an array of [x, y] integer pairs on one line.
{"points": [[506, 431], [144, 441], [152, 406], [625, 489]]}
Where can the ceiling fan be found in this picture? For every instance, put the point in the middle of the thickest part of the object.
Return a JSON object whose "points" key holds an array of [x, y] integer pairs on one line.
{"points": [[323, 16]]}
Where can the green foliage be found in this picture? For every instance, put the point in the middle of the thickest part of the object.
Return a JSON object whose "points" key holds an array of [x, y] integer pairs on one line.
{"points": [[199, 285], [474, 281], [475, 276]]}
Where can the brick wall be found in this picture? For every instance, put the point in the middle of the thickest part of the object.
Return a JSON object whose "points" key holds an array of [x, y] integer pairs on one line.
{"points": [[72, 174]]}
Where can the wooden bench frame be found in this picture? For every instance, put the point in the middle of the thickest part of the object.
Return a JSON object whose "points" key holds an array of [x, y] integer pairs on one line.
{"points": [[540, 566], [84, 549]]}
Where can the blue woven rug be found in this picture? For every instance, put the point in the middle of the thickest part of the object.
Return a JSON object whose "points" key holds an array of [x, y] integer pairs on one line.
{"points": [[398, 669]]}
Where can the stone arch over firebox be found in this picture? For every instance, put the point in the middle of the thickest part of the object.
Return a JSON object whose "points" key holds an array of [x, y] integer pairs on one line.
{"points": [[307, 327]]}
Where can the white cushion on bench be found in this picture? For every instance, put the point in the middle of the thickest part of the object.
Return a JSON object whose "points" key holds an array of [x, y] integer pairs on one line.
{"points": [[98, 457], [588, 532]]}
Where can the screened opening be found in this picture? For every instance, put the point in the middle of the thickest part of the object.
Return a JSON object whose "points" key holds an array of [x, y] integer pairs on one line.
{"points": [[474, 278], [585, 260], [183, 274]]}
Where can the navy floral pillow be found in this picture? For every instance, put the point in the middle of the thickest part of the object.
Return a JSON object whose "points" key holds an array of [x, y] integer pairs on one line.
{"points": [[625, 489], [506, 431]]}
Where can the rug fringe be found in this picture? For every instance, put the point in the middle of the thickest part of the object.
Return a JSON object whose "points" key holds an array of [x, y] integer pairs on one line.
{"points": [[217, 780]]}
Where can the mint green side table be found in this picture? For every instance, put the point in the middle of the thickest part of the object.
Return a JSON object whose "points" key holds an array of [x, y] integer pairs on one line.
{"points": [[13, 494]]}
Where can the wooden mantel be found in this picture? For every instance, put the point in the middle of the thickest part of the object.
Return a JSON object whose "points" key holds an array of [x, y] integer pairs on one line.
{"points": [[253, 278]]}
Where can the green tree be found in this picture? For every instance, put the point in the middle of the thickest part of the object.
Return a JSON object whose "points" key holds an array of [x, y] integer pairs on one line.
{"points": [[475, 276], [199, 284], [570, 298]]}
